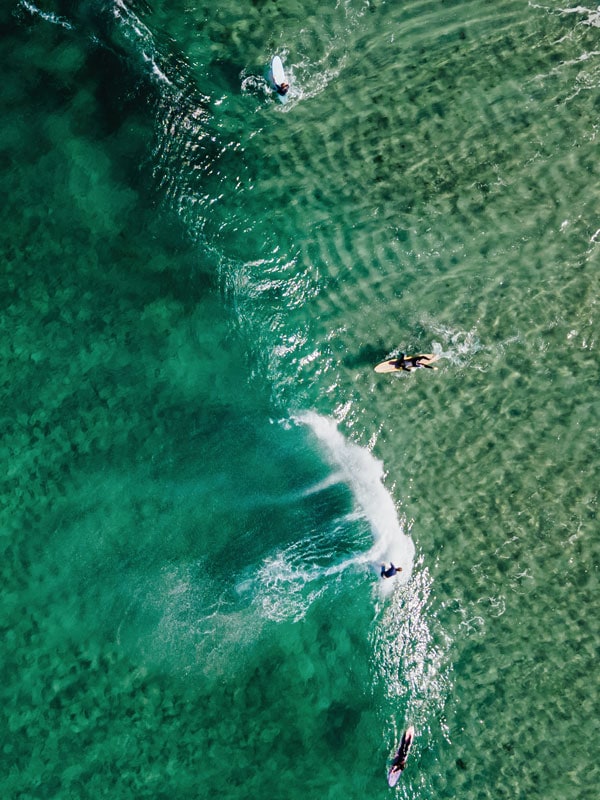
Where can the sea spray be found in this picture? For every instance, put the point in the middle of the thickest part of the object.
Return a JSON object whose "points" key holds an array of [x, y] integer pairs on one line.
{"points": [[292, 578], [363, 474]]}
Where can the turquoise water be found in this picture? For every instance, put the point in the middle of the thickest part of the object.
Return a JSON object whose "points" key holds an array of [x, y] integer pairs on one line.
{"points": [[203, 472]]}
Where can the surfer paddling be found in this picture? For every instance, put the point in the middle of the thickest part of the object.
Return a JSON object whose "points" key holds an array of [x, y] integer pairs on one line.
{"points": [[277, 77], [404, 363], [390, 571], [399, 762], [407, 363]]}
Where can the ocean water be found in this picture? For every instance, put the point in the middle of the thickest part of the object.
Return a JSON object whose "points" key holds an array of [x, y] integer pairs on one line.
{"points": [[203, 473]]}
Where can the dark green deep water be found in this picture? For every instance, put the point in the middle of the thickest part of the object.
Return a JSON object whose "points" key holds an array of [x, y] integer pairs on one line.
{"points": [[202, 472]]}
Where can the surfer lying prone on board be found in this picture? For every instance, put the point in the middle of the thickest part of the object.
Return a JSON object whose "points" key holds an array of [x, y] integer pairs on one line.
{"points": [[407, 363], [399, 762], [390, 571], [277, 77]]}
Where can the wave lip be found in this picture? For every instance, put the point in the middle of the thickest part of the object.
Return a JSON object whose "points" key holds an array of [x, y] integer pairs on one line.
{"points": [[363, 473]]}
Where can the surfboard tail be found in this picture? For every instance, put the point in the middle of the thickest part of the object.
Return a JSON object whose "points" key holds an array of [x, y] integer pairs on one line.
{"points": [[394, 777]]}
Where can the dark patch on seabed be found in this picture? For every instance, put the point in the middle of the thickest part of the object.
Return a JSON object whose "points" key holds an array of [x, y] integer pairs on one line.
{"points": [[367, 354]]}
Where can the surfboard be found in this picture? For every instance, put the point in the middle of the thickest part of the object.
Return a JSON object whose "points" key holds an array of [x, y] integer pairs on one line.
{"points": [[277, 71], [391, 364], [401, 756], [277, 77]]}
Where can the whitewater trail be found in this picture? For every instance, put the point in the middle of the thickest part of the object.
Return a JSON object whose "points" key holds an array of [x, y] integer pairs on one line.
{"points": [[363, 473]]}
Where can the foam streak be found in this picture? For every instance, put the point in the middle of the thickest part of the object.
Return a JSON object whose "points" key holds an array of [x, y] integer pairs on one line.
{"points": [[364, 475]]}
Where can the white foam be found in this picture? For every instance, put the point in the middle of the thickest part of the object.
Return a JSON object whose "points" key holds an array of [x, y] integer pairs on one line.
{"points": [[132, 24], [46, 15], [460, 345], [290, 580], [363, 473], [286, 590]]}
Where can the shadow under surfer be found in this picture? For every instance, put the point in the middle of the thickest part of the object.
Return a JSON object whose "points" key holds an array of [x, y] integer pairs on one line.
{"points": [[399, 762], [390, 571], [412, 362]]}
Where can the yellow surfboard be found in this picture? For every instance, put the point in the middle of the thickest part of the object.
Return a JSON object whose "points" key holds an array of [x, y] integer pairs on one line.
{"points": [[394, 364]]}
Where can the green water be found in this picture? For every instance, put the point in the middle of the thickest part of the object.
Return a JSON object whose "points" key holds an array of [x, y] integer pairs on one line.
{"points": [[203, 472]]}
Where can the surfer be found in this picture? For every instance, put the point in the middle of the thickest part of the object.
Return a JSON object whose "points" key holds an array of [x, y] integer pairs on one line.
{"points": [[407, 363], [412, 362], [399, 762], [277, 78], [390, 571]]}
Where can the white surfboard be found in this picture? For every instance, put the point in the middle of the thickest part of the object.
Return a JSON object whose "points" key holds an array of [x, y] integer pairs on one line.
{"points": [[277, 77], [277, 71]]}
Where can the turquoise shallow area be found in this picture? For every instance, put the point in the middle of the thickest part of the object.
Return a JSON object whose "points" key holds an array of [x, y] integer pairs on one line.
{"points": [[203, 472]]}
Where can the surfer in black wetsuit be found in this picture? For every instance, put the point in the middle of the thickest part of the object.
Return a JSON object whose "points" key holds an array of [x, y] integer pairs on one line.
{"points": [[282, 88], [412, 362], [399, 762], [390, 571]]}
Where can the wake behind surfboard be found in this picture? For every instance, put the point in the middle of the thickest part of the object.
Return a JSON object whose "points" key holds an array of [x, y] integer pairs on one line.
{"points": [[399, 762], [404, 365]]}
